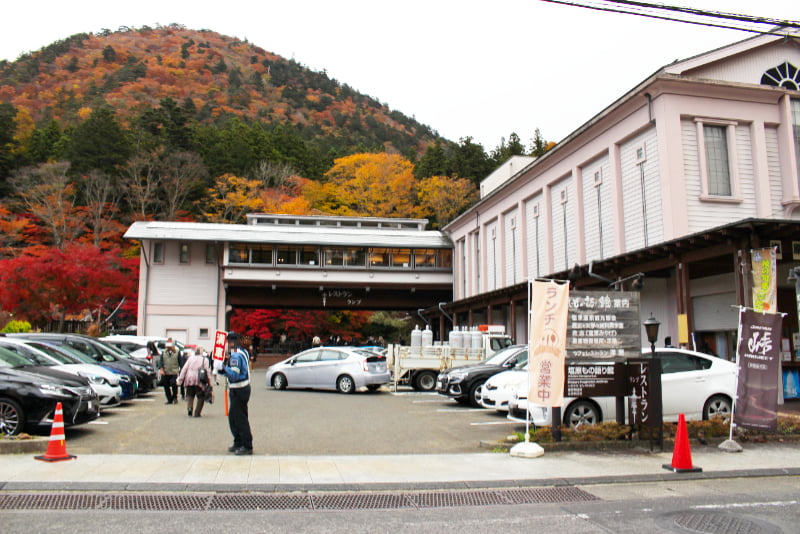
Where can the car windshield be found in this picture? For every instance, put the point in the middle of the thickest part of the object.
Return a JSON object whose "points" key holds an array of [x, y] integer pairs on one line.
{"points": [[75, 353], [9, 359], [499, 357], [32, 356], [54, 353]]}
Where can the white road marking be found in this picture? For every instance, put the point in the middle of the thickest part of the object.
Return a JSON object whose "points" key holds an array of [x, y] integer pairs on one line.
{"points": [[496, 423], [744, 505], [464, 410], [97, 423]]}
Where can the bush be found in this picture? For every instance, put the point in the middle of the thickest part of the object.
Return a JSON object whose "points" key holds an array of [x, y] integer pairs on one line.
{"points": [[13, 327]]}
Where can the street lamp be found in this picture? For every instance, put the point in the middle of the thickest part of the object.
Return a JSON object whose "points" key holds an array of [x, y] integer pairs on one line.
{"points": [[651, 325]]}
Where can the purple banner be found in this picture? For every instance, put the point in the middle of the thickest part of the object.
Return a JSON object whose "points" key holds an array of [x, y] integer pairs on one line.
{"points": [[758, 354]]}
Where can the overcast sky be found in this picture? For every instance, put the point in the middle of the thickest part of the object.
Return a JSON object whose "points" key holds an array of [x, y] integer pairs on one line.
{"points": [[472, 68]]}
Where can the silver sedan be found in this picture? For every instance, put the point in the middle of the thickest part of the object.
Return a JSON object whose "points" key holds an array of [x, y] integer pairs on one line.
{"points": [[343, 369]]}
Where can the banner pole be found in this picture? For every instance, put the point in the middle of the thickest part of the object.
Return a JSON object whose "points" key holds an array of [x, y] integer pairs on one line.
{"points": [[530, 353]]}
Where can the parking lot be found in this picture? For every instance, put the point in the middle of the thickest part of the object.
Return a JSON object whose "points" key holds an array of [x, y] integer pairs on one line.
{"points": [[296, 422]]}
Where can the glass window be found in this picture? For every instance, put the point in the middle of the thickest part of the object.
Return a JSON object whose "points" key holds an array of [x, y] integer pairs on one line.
{"points": [[309, 256], [717, 167], [287, 255], [184, 256], [211, 253], [401, 257], [424, 258], [334, 257], [310, 356], [446, 258], [355, 257], [379, 257], [238, 253], [158, 252], [203, 333], [261, 254]]}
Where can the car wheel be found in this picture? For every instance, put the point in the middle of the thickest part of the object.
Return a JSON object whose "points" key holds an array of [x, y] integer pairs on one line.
{"points": [[580, 413], [279, 381], [12, 418], [345, 384], [425, 381], [475, 395], [717, 405]]}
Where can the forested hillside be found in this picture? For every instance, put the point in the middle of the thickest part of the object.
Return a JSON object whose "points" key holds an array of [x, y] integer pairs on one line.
{"points": [[170, 123]]}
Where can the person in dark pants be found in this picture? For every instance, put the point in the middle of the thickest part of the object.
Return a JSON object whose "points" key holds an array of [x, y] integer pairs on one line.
{"points": [[169, 366], [237, 371]]}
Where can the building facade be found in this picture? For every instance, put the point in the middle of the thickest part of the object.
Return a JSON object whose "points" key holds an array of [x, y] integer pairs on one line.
{"points": [[678, 179]]}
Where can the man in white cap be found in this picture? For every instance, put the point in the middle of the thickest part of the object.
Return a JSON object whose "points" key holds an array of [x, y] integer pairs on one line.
{"points": [[237, 372]]}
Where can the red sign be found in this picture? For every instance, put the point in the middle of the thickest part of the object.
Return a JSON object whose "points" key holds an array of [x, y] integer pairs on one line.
{"points": [[220, 344]]}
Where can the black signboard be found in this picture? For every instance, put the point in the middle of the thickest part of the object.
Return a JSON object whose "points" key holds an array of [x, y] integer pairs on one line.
{"points": [[604, 324], [595, 379], [644, 392]]}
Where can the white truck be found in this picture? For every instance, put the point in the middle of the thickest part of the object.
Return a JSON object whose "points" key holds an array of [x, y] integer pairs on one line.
{"points": [[419, 364]]}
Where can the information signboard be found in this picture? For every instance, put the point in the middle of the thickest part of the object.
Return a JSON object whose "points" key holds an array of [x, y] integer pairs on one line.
{"points": [[595, 379], [604, 324]]}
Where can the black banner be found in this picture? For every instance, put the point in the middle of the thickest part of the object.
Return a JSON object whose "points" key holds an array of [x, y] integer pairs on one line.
{"points": [[595, 379], [758, 353]]}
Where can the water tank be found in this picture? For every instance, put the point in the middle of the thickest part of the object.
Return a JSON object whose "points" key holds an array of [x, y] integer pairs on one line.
{"points": [[476, 338], [456, 338], [427, 336], [416, 337]]}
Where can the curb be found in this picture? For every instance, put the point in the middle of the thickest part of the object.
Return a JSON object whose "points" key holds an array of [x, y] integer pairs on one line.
{"points": [[22, 446]]}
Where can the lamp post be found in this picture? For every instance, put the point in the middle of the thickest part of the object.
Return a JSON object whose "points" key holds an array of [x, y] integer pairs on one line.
{"points": [[651, 325]]}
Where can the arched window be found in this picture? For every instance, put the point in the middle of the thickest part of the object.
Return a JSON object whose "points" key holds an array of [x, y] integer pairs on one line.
{"points": [[785, 75]]}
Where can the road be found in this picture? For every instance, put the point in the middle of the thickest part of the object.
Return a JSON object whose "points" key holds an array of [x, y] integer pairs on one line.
{"points": [[297, 422], [753, 505]]}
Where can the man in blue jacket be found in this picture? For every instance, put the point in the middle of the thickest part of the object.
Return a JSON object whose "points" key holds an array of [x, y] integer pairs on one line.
{"points": [[237, 371]]}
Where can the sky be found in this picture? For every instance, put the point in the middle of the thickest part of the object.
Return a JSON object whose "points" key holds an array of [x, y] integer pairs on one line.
{"points": [[466, 68]]}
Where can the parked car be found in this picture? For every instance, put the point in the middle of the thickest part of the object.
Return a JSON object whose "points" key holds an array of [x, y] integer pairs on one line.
{"points": [[145, 372], [343, 369], [136, 346], [501, 388], [127, 378], [692, 383], [28, 396], [464, 383], [104, 383]]}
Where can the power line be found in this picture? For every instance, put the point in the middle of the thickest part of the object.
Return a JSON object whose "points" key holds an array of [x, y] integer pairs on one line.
{"points": [[641, 9]]}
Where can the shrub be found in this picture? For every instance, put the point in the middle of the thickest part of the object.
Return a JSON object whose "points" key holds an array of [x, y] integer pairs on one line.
{"points": [[16, 326]]}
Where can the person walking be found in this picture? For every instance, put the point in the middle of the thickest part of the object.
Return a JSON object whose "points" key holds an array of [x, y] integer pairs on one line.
{"points": [[169, 366], [195, 378], [237, 371]]}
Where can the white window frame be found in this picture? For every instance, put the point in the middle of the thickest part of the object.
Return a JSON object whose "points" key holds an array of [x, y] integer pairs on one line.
{"points": [[188, 253], [733, 164], [159, 260]]}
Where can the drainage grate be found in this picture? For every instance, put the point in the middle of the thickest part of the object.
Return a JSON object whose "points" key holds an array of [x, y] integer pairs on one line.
{"points": [[715, 523], [288, 501]]}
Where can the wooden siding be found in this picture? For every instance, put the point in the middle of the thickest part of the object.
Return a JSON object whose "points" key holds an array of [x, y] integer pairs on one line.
{"points": [[774, 169], [633, 212], [705, 214], [191, 284], [513, 248], [564, 240], [598, 210], [536, 244]]}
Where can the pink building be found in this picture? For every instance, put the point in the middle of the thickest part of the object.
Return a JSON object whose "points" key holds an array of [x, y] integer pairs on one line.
{"points": [[678, 179]]}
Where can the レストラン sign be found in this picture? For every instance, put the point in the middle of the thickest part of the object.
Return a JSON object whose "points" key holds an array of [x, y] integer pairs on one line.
{"points": [[603, 324]]}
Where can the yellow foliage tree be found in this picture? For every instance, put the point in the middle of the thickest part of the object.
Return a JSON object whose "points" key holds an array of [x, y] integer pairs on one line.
{"points": [[232, 198], [24, 128], [442, 198], [376, 185]]}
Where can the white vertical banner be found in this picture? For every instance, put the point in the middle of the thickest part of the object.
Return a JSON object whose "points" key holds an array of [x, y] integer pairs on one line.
{"points": [[548, 343]]}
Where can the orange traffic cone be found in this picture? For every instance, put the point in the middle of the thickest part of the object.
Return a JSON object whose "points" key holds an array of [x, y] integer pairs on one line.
{"points": [[682, 454], [57, 447]]}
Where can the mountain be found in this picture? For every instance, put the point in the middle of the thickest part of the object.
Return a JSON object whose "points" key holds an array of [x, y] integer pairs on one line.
{"points": [[211, 76]]}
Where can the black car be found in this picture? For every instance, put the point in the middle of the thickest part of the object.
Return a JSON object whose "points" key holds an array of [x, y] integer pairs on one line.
{"points": [[29, 393], [463, 383], [101, 353]]}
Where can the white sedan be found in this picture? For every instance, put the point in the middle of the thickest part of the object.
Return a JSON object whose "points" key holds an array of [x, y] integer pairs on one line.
{"points": [[496, 392], [692, 383], [343, 369]]}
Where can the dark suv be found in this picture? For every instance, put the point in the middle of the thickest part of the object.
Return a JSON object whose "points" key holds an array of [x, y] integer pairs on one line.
{"points": [[464, 383]]}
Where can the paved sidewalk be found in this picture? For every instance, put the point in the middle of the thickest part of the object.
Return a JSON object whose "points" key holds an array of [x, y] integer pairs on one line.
{"points": [[354, 473]]}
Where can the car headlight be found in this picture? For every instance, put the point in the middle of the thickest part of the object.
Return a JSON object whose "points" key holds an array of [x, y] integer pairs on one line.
{"points": [[93, 379], [138, 367], [457, 377], [54, 390]]}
